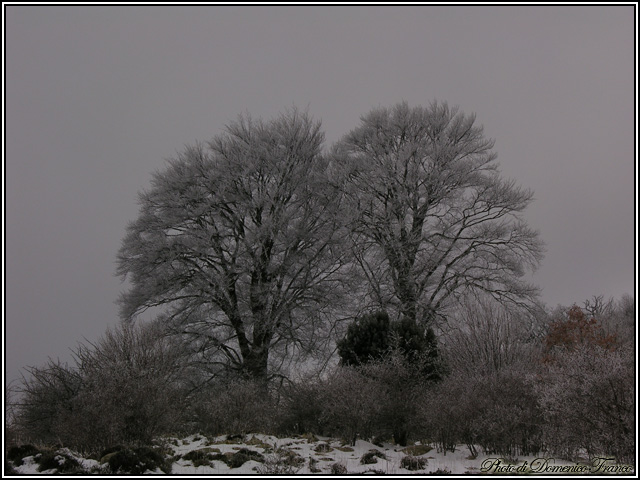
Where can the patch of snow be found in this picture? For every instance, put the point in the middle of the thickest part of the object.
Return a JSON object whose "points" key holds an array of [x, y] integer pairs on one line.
{"points": [[29, 467]]}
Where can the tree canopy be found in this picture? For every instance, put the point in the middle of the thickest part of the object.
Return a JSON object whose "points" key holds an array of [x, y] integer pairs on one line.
{"points": [[431, 217], [240, 241]]}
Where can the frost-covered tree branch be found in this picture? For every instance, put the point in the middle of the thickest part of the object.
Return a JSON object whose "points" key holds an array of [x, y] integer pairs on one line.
{"points": [[431, 218], [242, 236]]}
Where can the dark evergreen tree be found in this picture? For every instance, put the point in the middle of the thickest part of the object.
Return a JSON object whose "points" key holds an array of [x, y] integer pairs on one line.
{"points": [[418, 346], [373, 336], [409, 338], [367, 338]]}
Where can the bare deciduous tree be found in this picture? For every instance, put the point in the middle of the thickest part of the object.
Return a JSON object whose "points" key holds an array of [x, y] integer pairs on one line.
{"points": [[616, 317], [240, 241], [485, 337], [432, 219]]}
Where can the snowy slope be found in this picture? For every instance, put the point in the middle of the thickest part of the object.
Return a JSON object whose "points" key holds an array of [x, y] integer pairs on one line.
{"points": [[315, 455], [312, 455]]}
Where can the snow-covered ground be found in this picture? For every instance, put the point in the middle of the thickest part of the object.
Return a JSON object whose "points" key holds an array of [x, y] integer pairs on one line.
{"points": [[319, 455], [336, 452]]}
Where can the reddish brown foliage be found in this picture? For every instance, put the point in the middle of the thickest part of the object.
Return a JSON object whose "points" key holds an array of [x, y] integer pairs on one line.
{"points": [[577, 329]]}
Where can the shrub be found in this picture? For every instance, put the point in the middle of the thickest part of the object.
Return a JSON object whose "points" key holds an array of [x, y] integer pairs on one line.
{"points": [[419, 347], [323, 448], [587, 395], [370, 457], [256, 442], [284, 462], [379, 440], [498, 411], [352, 404], [138, 461], [219, 457], [16, 454], [310, 437], [113, 449], [124, 461], [508, 419], [301, 407], [252, 454], [400, 384], [61, 461], [416, 450], [201, 453], [237, 460], [239, 406], [441, 471], [123, 389], [377, 399], [338, 469], [290, 457], [243, 455], [131, 388], [203, 456], [235, 438], [313, 465], [373, 471], [345, 449], [203, 461], [444, 416], [48, 394], [413, 463]]}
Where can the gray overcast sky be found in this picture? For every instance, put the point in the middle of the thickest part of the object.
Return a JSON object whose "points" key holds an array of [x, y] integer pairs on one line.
{"points": [[97, 97]]}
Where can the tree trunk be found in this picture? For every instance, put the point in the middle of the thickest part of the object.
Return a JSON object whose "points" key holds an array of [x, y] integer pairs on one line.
{"points": [[255, 364], [400, 437], [406, 293]]}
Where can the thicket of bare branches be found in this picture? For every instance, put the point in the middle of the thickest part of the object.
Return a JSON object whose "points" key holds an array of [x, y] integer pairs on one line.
{"points": [[497, 413], [588, 397], [124, 388], [564, 385], [484, 336]]}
